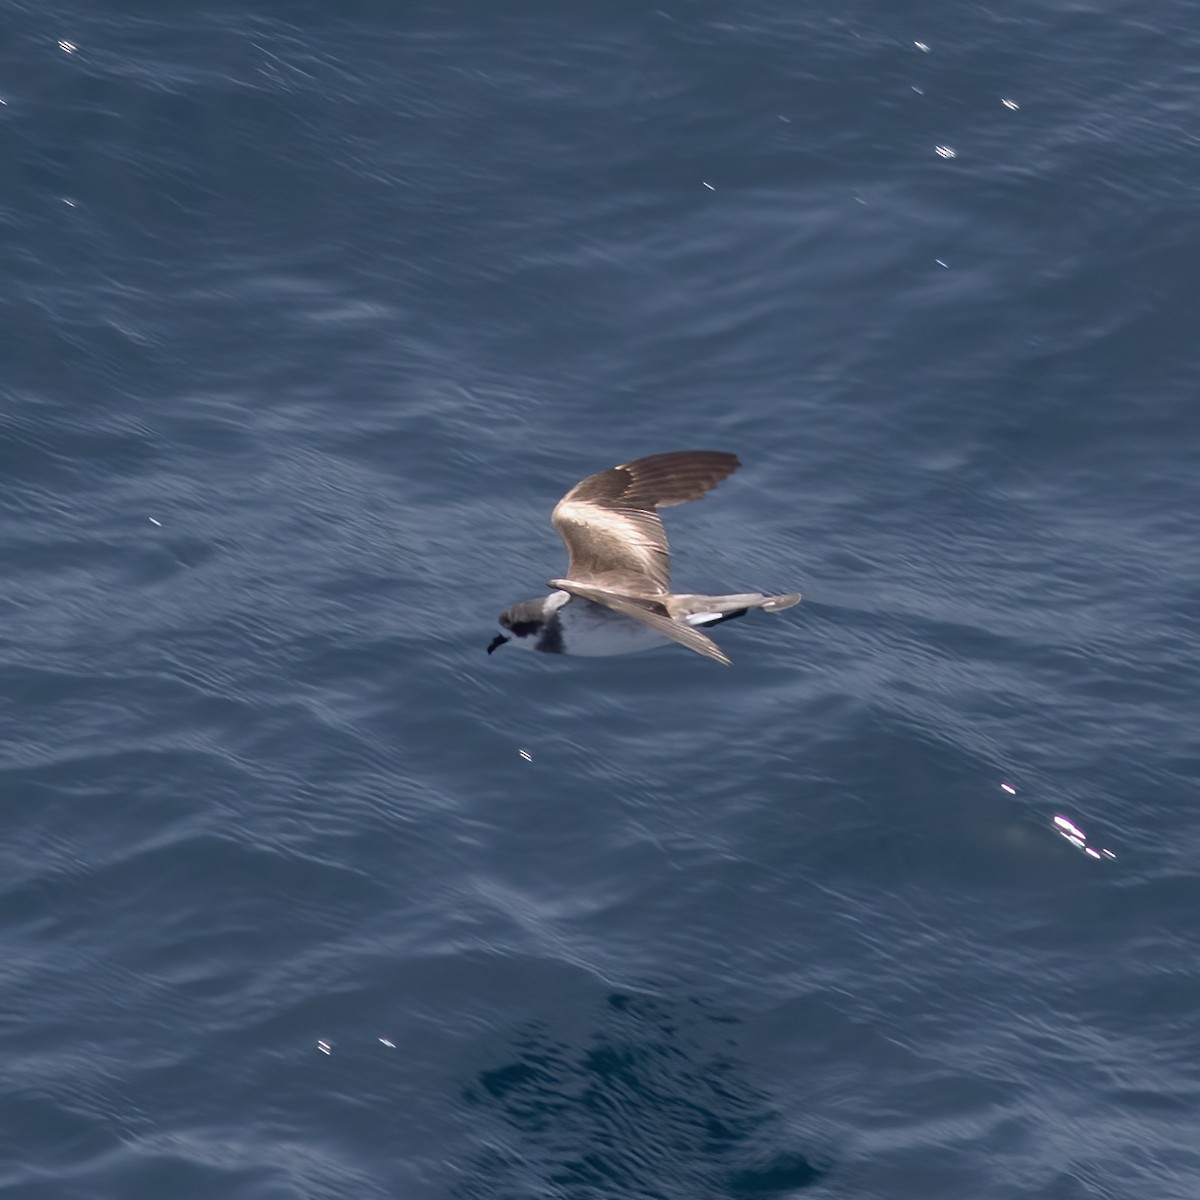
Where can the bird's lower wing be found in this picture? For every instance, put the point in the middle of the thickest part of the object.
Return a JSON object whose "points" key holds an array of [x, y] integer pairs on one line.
{"points": [[650, 612]]}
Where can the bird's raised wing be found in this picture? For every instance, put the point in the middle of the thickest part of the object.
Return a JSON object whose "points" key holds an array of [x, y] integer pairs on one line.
{"points": [[650, 611], [613, 534]]}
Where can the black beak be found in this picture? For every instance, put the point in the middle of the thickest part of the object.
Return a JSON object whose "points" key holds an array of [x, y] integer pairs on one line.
{"points": [[498, 640]]}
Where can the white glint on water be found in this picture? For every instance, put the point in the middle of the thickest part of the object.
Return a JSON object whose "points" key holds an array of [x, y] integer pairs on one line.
{"points": [[1069, 828], [1070, 832], [1066, 828]]}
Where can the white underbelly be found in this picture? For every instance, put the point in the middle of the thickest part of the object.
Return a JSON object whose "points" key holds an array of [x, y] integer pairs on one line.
{"points": [[594, 631]]}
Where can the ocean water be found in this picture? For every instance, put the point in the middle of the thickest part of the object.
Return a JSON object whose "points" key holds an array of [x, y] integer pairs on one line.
{"points": [[310, 314]]}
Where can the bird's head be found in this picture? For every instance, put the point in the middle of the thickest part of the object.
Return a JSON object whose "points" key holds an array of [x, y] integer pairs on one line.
{"points": [[522, 623]]}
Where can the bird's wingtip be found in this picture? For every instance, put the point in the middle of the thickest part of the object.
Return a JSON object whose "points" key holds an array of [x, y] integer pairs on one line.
{"points": [[779, 603]]}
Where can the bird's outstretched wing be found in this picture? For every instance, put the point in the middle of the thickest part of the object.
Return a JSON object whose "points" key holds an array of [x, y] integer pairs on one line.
{"points": [[651, 611], [614, 537]]}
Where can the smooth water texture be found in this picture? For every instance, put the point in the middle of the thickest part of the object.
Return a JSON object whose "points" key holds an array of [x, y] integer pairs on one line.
{"points": [[310, 314]]}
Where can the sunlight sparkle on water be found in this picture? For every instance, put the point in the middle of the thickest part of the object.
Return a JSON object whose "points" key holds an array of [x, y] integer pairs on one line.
{"points": [[1069, 831], [1066, 828]]}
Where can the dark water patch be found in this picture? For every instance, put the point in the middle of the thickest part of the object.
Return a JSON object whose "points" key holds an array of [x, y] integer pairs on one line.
{"points": [[654, 1093]]}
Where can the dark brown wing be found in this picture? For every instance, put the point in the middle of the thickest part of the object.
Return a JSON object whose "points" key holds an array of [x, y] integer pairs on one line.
{"points": [[613, 534], [649, 610]]}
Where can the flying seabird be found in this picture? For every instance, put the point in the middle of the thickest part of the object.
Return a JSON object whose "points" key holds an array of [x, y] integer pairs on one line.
{"points": [[616, 597]]}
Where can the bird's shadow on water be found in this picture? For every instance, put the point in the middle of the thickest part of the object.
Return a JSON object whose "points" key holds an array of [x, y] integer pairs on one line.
{"points": [[646, 1101]]}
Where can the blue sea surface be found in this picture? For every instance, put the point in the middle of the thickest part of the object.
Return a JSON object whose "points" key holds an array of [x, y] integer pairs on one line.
{"points": [[310, 313]]}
